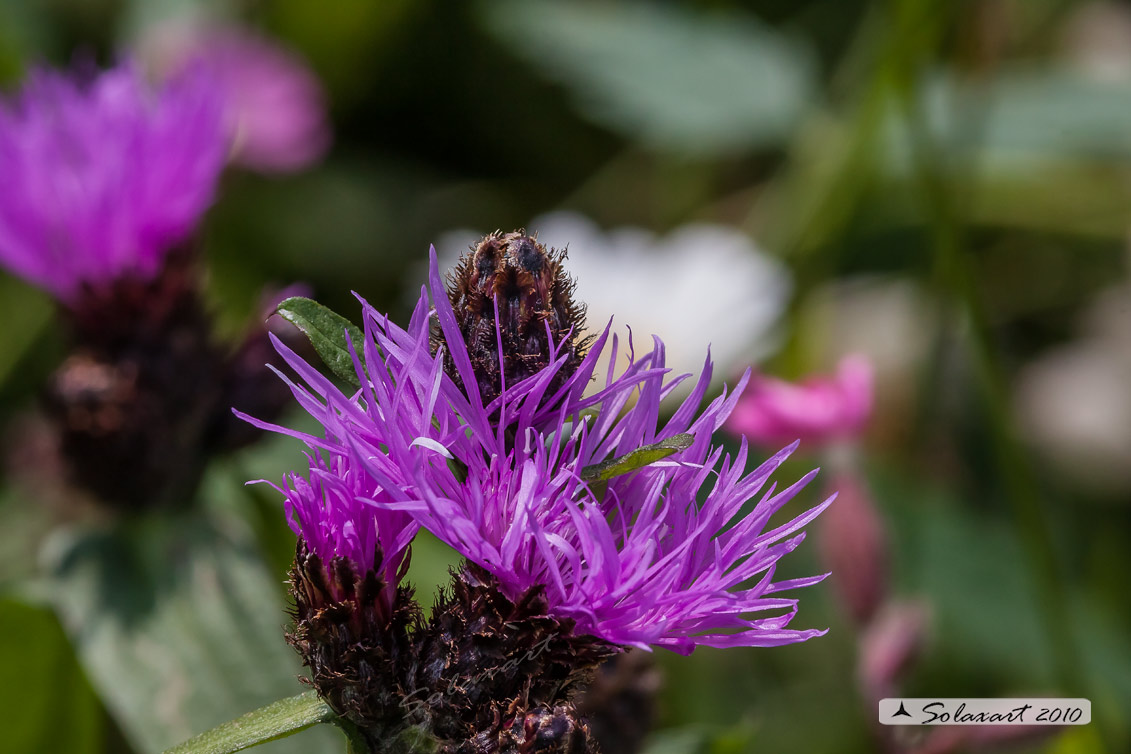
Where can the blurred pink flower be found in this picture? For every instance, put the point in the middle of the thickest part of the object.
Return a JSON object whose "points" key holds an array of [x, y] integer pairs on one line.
{"points": [[275, 105], [853, 547], [819, 409], [889, 645]]}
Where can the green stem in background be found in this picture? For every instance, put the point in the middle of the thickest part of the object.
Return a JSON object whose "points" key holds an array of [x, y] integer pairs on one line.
{"points": [[827, 169], [953, 266]]}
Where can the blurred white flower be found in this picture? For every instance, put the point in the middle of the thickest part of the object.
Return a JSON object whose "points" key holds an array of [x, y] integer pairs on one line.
{"points": [[699, 285], [1096, 39], [1074, 403], [890, 321]]}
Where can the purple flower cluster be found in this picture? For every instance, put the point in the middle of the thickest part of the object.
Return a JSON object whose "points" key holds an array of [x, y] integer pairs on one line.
{"points": [[103, 176], [670, 554]]}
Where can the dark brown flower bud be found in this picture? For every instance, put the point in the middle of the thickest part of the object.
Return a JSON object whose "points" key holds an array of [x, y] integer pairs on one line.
{"points": [[483, 657], [145, 396], [511, 289], [355, 646], [133, 403], [540, 730]]}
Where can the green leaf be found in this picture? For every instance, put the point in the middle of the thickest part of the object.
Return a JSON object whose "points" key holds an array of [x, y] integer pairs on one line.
{"points": [[276, 720], [702, 739], [177, 624], [637, 458], [704, 84], [327, 332], [48, 704]]}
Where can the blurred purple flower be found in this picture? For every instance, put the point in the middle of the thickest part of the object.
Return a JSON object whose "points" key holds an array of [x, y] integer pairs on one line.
{"points": [[275, 105], [820, 409], [103, 175], [640, 562]]}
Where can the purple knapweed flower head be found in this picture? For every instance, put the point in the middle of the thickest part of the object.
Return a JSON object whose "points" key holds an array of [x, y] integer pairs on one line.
{"points": [[669, 554], [274, 105], [103, 175], [636, 559], [820, 410]]}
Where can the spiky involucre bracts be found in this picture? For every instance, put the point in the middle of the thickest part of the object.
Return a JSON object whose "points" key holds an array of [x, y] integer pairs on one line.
{"points": [[514, 307], [485, 660], [354, 638]]}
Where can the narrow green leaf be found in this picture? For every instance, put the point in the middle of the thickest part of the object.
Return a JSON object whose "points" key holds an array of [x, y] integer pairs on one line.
{"points": [[277, 720], [636, 459], [327, 332]]}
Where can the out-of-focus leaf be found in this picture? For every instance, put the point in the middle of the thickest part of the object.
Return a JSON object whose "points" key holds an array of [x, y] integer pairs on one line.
{"points": [[47, 704], [26, 312], [23, 27], [1022, 119], [327, 332], [638, 458], [277, 720], [1034, 115], [698, 739], [177, 625], [700, 84]]}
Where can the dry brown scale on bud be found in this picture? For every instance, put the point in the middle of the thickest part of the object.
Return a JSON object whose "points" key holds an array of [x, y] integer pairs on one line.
{"points": [[543, 730], [353, 643], [526, 284], [486, 664]]}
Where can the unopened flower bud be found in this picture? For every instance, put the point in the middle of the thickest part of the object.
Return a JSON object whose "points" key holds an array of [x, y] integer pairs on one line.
{"points": [[853, 547], [510, 291], [889, 645], [483, 656], [134, 403]]}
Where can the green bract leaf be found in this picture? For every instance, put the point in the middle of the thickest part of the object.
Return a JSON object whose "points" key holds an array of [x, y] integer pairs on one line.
{"points": [[177, 624], [690, 83], [327, 332], [276, 720], [637, 458]]}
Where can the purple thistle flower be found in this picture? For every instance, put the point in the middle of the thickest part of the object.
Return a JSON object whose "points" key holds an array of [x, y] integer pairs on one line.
{"points": [[641, 562], [103, 176], [335, 510]]}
